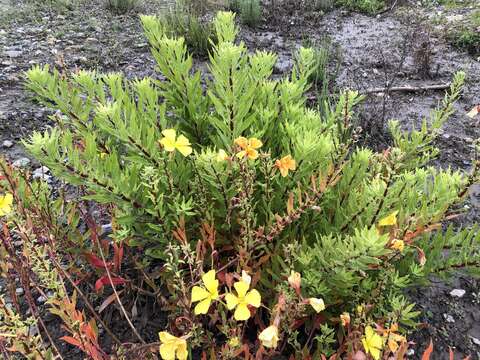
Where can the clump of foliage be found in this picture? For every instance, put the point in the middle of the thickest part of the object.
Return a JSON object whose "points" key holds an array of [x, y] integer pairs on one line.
{"points": [[365, 6], [181, 22], [121, 6], [327, 60], [250, 11], [256, 221], [466, 34]]}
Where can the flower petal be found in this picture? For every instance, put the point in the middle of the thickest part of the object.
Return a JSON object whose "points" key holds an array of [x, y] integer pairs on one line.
{"points": [[165, 337], [167, 351], [231, 300], [253, 298], [183, 145], [252, 154], [241, 287], [255, 143], [210, 282], [242, 142], [241, 312], [168, 144], [169, 134], [199, 293], [241, 154], [182, 352], [202, 307]]}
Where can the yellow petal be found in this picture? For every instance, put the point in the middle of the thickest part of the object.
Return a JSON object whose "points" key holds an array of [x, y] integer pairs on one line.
{"points": [[8, 199], [165, 337], [389, 220], [242, 142], [182, 352], [253, 298], [210, 282], [317, 304], [199, 293], [241, 312], [183, 145], [398, 245], [169, 134], [241, 154], [375, 353], [241, 287], [252, 154], [202, 307], [231, 300], [168, 144], [283, 171], [167, 351], [255, 143], [269, 337]]}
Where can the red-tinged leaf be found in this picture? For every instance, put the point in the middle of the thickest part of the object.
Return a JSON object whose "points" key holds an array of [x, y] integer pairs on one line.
{"points": [[72, 341], [104, 280], [428, 351], [96, 262], [422, 259], [108, 301], [88, 330], [118, 256]]}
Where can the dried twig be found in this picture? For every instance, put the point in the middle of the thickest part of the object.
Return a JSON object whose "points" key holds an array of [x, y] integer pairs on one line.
{"points": [[407, 88]]}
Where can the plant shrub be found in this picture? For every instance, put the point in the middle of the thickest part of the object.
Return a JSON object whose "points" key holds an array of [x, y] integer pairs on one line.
{"points": [[179, 22], [121, 6], [365, 6], [273, 230]]}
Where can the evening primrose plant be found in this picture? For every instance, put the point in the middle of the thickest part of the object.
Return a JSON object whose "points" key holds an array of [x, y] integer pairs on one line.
{"points": [[256, 221]]}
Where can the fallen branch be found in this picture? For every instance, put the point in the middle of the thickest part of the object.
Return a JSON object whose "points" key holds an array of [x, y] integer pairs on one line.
{"points": [[407, 88]]}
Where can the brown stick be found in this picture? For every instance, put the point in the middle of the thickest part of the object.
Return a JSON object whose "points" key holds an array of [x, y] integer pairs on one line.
{"points": [[407, 88]]}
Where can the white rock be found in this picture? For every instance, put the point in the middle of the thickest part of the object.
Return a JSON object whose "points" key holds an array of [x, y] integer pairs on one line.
{"points": [[457, 293], [449, 318], [22, 162], [7, 144], [475, 340], [19, 291]]}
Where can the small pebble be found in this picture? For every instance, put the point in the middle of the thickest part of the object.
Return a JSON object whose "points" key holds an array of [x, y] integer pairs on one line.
{"points": [[457, 293], [449, 318], [475, 340], [22, 162], [19, 291], [7, 144]]}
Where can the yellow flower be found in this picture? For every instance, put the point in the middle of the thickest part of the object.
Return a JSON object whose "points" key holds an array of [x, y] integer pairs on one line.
{"points": [[397, 245], [241, 301], [222, 156], [317, 304], [249, 147], [269, 337], [172, 346], [171, 143], [360, 309], [205, 295], [103, 155], [295, 280], [372, 342], [6, 204], [234, 342], [345, 319], [285, 164], [389, 220]]}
